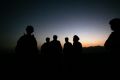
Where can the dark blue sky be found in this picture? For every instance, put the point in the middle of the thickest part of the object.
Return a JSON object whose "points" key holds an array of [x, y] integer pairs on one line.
{"points": [[86, 18]]}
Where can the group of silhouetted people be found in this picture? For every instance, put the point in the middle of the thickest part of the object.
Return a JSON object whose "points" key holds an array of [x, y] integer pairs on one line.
{"points": [[53, 49], [27, 45]]}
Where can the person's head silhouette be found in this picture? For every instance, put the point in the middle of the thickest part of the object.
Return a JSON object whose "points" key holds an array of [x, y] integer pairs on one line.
{"points": [[47, 39], [115, 24], [66, 39], [55, 37], [29, 30], [75, 38]]}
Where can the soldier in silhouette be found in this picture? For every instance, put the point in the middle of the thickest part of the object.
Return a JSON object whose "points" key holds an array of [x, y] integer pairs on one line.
{"points": [[77, 50], [27, 44], [77, 46], [67, 47], [112, 44], [45, 48], [67, 50], [56, 48]]}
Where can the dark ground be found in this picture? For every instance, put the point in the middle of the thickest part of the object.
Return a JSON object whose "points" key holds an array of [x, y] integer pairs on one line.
{"points": [[95, 55], [92, 55]]}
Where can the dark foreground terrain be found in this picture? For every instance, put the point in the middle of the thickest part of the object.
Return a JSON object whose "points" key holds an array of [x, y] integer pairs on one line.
{"points": [[95, 55], [91, 55]]}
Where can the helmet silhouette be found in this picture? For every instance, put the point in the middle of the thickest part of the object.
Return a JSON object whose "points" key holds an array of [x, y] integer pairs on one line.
{"points": [[115, 24], [29, 29]]}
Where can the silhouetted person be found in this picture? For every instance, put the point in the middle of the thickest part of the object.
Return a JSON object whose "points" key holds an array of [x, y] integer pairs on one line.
{"points": [[27, 44], [112, 44], [45, 48], [45, 51], [55, 51], [77, 46], [67, 50], [56, 48], [77, 50]]}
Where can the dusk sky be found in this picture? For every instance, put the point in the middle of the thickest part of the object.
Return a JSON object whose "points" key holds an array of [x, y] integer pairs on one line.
{"points": [[89, 19]]}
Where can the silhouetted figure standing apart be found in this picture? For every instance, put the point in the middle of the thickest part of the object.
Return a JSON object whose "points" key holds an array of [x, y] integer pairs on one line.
{"points": [[67, 50], [27, 44], [112, 44], [77, 49]]}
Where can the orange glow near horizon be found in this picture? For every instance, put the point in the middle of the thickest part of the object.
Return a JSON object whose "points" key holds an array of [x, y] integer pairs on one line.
{"points": [[88, 41], [88, 44], [85, 43], [88, 37]]}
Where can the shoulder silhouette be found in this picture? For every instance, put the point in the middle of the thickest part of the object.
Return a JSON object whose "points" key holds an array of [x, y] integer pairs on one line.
{"points": [[27, 44], [67, 50], [112, 44], [77, 46], [113, 41], [55, 51], [77, 52], [45, 48], [56, 48]]}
